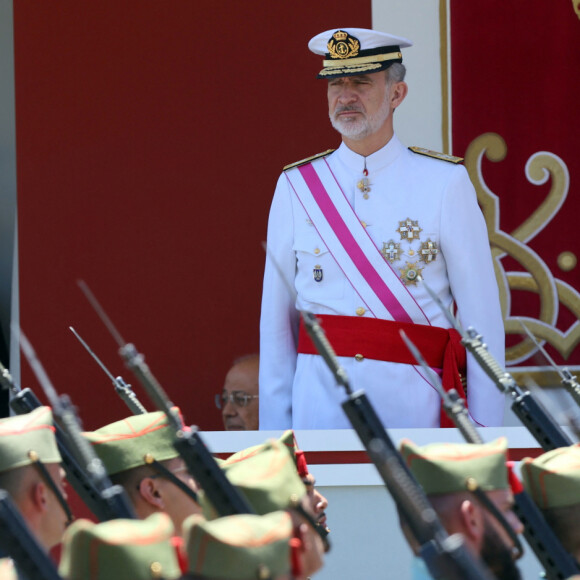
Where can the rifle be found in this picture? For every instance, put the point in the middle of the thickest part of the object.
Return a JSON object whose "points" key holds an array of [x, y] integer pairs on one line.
{"points": [[557, 562], [121, 387], [533, 415], [226, 499], [446, 556], [21, 545], [109, 500]]}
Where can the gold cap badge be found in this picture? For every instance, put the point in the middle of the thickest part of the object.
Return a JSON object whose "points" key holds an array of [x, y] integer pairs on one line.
{"points": [[342, 45]]}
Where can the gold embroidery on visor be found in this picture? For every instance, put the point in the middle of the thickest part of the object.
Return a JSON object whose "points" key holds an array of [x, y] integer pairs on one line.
{"points": [[361, 60]]}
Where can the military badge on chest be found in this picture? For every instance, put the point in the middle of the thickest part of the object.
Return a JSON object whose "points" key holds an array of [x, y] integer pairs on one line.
{"points": [[426, 252], [317, 273]]}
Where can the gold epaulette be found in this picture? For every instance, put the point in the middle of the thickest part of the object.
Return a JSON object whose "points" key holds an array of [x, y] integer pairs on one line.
{"points": [[436, 155], [308, 159]]}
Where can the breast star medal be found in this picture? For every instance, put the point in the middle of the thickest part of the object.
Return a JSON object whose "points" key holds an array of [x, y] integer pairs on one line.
{"points": [[410, 274], [428, 251], [391, 251], [409, 229]]}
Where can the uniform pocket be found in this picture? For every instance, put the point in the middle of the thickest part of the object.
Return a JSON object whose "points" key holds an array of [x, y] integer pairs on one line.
{"points": [[318, 277]]}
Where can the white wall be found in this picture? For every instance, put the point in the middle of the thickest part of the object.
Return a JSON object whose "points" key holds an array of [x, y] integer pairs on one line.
{"points": [[418, 120]]}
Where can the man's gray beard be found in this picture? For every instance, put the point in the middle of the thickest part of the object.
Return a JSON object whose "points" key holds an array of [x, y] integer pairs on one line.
{"points": [[360, 128]]}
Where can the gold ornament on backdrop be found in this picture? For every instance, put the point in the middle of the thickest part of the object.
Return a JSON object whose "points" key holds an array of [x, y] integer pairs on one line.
{"points": [[536, 276]]}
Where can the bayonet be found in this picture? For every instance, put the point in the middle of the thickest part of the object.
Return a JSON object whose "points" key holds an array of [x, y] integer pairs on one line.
{"points": [[121, 387], [568, 379]]}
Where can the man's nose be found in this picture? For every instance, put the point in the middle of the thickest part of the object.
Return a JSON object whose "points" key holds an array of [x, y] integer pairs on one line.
{"points": [[321, 502], [347, 96], [229, 409]]}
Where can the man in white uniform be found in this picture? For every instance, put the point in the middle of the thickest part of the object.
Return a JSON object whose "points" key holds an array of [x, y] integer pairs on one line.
{"points": [[354, 231]]}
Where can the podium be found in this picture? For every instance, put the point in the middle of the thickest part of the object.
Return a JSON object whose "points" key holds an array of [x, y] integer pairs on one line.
{"points": [[366, 539]]}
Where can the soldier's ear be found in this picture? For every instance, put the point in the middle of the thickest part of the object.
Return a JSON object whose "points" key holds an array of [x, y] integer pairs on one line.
{"points": [[38, 495], [472, 521], [149, 492]]}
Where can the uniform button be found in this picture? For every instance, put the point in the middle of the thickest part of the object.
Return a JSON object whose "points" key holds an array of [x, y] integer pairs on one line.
{"points": [[360, 311], [364, 224], [359, 357], [411, 252], [317, 251]]}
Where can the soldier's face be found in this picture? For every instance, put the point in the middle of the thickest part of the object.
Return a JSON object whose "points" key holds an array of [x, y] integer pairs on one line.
{"points": [[358, 106], [504, 502], [55, 521], [497, 556], [317, 501], [177, 504]]}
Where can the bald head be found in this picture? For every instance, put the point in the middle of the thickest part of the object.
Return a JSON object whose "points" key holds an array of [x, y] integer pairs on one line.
{"points": [[241, 384]]}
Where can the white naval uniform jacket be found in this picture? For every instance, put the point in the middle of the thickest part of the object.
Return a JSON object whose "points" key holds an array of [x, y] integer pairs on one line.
{"points": [[298, 391]]}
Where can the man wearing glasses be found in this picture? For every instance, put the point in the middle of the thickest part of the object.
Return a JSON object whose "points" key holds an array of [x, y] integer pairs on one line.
{"points": [[239, 398]]}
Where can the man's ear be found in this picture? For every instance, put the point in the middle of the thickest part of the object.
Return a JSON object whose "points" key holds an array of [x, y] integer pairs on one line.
{"points": [[472, 521], [38, 495], [398, 93], [149, 491]]}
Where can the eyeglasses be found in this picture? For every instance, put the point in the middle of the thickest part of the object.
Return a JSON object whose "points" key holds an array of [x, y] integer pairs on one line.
{"points": [[237, 398]]}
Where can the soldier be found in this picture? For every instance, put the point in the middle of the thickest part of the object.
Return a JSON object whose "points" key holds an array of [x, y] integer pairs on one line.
{"points": [[241, 547], [239, 398], [318, 503], [31, 473], [553, 482], [353, 231], [269, 481], [138, 453], [467, 484], [120, 549]]}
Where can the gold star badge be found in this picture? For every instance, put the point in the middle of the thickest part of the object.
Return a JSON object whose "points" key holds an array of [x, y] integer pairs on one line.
{"points": [[391, 251], [409, 229], [428, 251]]}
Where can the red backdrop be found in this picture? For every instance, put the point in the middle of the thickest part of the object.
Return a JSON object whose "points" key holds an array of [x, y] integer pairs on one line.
{"points": [[149, 139]]}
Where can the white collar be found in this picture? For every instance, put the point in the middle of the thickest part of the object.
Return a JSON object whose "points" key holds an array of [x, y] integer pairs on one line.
{"points": [[374, 162]]}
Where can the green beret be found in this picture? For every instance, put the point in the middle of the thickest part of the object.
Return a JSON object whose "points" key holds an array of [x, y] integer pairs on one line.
{"points": [[268, 478], [553, 479], [445, 467], [22, 434], [132, 549], [240, 547], [124, 444]]}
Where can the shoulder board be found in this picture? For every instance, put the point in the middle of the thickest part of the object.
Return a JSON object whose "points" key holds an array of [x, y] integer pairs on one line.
{"points": [[436, 155], [308, 159]]}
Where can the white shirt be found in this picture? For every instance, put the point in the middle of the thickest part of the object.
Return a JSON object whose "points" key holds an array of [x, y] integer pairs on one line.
{"points": [[298, 391]]}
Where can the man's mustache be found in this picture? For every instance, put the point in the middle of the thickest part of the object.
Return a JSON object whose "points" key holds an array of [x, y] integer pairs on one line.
{"points": [[346, 109]]}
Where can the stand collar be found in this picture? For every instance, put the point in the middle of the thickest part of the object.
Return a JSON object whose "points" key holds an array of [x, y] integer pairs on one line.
{"points": [[374, 162]]}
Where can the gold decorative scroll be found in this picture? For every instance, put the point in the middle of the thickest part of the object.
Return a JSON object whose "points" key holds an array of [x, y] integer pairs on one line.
{"points": [[536, 277]]}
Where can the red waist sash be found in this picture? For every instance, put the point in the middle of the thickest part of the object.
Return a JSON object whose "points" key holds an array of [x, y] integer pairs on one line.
{"points": [[379, 339]]}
